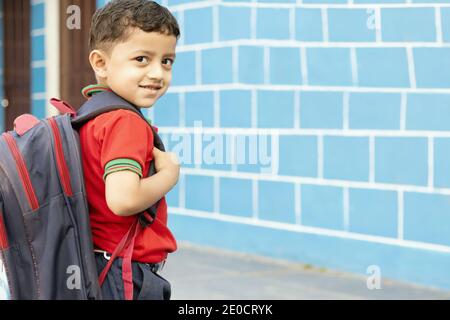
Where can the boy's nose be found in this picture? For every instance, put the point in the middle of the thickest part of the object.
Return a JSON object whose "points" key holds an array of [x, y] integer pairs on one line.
{"points": [[155, 74]]}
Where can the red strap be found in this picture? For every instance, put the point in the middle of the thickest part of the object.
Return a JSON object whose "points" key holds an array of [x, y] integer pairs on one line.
{"points": [[126, 243], [127, 273], [63, 107]]}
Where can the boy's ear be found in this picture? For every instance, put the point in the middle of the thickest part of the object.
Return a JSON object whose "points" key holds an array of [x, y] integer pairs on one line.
{"points": [[97, 59]]}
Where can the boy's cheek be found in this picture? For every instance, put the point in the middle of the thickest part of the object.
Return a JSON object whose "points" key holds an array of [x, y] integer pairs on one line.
{"points": [[167, 87], [168, 76]]}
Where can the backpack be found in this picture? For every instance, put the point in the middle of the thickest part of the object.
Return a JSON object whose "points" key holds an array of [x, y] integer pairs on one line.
{"points": [[46, 243]]}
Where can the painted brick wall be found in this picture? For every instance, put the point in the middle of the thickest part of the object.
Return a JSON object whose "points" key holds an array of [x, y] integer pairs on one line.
{"points": [[353, 98], [38, 59]]}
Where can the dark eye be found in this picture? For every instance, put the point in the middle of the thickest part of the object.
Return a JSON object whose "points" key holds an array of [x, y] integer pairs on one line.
{"points": [[141, 59], [170, 60]]}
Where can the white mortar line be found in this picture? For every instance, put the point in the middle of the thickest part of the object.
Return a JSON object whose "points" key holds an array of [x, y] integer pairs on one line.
{"points": [[320, 156], [411, 69], [198, 67], [274, 43], [266, 65], [430, 163], [346, 208], [243, 86], [308, 132], [255, 199], [346, 110], [298, 204], [297, 109], [317, 181], [403, 110], [304, 65], [310, 230], [400, 213], [325, 24], [438, 24]]}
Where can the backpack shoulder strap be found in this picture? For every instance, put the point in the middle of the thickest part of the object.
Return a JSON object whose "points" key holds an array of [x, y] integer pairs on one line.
{"points": [[107, 101], [101, 103]]}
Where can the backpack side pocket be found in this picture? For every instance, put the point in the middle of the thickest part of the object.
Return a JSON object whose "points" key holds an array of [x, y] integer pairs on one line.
{"points": [[4, 244]]}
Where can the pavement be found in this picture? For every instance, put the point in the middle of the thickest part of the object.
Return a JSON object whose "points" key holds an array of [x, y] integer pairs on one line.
{"points": [[204, 273]]}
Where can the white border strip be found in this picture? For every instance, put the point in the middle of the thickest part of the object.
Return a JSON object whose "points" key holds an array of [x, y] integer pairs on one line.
{"points": [[52, 45]]}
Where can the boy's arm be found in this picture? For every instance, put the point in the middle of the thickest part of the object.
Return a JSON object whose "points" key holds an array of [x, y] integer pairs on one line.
{"points": [[123, 156], [127, 194]]}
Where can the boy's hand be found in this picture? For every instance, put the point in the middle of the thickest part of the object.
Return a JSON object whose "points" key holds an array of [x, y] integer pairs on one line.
{"points": [[168, 162], [127, 194]]}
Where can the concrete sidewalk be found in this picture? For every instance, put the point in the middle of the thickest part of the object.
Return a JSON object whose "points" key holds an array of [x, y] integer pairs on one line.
{"points": [[205, 273]]}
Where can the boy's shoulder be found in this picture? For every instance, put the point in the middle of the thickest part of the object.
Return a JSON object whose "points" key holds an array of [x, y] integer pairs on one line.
{"points": [[118, 134], [110, 117], [120, 118], [121, 124]]}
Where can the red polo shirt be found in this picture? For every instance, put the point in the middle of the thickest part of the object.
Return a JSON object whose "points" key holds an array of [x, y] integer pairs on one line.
{"points": [[121, 134]]}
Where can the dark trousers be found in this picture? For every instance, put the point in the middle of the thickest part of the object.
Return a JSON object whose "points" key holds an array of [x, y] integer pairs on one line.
{"points": [[147, 285]]}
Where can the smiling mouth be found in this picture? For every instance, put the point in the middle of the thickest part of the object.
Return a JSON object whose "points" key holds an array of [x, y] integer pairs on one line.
{"points": [[152, 89]]}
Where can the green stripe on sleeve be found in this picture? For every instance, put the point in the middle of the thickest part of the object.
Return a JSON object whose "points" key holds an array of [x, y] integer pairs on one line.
{"points": [[122, 164]]}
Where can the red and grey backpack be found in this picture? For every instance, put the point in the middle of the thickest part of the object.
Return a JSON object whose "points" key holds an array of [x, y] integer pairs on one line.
{"points": [[45, 237]]}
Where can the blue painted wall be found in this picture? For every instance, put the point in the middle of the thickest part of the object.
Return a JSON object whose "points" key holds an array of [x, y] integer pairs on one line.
{"points": [[38, 60], [361, 110], [354, 101]]}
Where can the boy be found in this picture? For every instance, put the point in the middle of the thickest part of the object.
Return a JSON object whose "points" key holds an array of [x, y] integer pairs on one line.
{"points": [[132, 50]]}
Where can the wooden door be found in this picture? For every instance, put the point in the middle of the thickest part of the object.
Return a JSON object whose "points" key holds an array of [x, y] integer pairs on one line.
{"points": [[17, 63], [75, 72]]}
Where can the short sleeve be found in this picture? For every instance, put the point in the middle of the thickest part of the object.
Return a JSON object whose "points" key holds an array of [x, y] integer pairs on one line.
{"points": [[126, 141]]}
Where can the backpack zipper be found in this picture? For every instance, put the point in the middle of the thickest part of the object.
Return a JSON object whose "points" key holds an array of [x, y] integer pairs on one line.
{"points": [[3, 236], [61, 162], [23, 171]]}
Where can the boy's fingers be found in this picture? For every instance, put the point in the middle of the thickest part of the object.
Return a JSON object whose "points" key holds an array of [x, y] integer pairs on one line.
{"points": [[174, 158], [156, 150]]}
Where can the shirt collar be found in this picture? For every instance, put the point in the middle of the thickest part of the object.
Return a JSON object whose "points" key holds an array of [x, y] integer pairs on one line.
{"points": [[92, 89]]}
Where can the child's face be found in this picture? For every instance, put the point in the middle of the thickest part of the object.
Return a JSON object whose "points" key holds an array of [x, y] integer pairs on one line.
{"points": [[145, 59]]}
